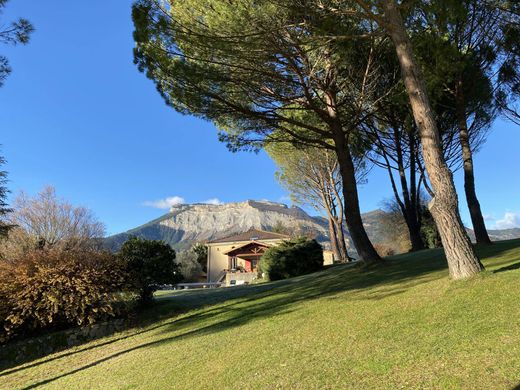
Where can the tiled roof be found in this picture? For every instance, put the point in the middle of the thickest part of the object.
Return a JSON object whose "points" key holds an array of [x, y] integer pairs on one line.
{"points": [[251, 235]]}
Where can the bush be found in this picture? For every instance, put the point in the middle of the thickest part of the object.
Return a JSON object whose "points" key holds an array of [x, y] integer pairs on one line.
{"points": [[292, 258], [54, 288], [151, 264], [189, 266]]}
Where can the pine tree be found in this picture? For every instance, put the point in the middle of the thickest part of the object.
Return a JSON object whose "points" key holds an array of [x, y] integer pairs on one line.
{"points": [[17, 32]]}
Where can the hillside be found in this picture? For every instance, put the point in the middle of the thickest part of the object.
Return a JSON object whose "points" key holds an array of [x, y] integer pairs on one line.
{"points": [[405, 325], [189, 223]]}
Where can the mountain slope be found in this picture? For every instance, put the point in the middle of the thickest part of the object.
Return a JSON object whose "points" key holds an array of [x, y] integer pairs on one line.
{"points": [[189, 223]]}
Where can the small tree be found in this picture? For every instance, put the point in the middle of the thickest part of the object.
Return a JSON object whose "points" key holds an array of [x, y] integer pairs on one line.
{"points": [[312, 177], [189, 265], [151, 263], [50, 222], [201, 252], [299, 256]]}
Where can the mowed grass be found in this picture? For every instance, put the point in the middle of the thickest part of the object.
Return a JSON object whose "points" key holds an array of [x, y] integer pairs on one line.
{"points": [[405, 325]]}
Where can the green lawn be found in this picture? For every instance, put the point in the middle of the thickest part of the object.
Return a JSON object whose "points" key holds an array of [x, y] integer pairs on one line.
{"points": [[405, 325]]}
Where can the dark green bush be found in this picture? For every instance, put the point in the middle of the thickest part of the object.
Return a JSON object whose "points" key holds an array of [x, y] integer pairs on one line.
{"points": [[56, 288], [298, 256], [151, 263]]}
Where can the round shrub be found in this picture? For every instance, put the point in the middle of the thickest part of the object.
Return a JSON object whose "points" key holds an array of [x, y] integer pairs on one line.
{"points": [[151, 263], [57, 288], [295, 257]]}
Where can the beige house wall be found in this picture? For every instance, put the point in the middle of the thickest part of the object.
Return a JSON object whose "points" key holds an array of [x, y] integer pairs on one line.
{"points": [[328, 257]]}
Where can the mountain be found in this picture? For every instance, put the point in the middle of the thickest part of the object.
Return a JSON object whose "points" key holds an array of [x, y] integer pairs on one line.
{"points": [[499, 235], [189, 223]]}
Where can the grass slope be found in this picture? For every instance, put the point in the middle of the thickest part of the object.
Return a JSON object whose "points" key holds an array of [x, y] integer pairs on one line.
{"points": [[401, 326]]}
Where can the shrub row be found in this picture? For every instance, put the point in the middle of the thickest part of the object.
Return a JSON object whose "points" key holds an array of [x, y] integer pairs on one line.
{"points": [[56, 289]]}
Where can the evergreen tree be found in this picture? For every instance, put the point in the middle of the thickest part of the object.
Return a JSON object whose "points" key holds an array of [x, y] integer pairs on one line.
{"points": [[12, 33], [263, 72]]}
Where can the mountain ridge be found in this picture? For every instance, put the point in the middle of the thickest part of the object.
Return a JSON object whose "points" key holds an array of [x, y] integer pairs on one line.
{"points": [[186, 224]]}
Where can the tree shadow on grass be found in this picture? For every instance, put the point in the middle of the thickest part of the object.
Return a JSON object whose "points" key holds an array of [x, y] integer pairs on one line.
{"points": [[239, 305], [510, 267], [266, 300]]}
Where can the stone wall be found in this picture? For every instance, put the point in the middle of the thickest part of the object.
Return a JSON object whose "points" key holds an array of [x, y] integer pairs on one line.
{"points": [[21, 351]]}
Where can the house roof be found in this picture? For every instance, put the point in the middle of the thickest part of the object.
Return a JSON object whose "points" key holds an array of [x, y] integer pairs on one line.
{"points": [[251, 235], [245, 245]]}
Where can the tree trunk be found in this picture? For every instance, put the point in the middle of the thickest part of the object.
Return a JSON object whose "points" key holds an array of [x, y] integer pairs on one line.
{"points": [[410, 217], [342, 246], [339, 216], [357, 231], [333, 239], [462, 260], [477, 220], [414, 231]]}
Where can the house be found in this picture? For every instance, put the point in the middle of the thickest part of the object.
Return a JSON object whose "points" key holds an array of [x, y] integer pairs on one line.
{"points": [[234, 259]]}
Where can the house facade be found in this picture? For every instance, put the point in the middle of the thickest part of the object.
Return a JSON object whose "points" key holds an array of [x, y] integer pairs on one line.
{"points": [[234, 259]]}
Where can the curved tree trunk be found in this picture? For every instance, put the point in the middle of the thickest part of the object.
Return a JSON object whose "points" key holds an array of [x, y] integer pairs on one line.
{"points": [[462, 260], [355, 226], [477, 220], [357, 231]]}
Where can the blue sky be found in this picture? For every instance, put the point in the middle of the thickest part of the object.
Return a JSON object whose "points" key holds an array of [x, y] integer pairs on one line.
{"points": [[76, 114]]}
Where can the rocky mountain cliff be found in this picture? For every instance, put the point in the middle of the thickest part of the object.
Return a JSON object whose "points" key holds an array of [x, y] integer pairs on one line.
{"points": [[189, 223]]}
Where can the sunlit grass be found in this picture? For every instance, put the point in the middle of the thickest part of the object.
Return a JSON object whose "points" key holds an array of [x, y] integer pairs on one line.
{"points": [[405, 325]]}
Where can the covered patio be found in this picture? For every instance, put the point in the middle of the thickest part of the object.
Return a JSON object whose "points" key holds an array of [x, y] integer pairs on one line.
{"points": [[246, 256]]}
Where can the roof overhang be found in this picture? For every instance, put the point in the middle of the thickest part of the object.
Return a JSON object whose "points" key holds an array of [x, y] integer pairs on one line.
{"points": [[240, 247]]}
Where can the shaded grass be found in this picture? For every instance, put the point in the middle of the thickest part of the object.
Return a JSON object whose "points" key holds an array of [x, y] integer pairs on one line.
{"points": [[405, 325]]}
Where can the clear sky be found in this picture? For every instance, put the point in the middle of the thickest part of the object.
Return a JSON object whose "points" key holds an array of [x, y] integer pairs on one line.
{"points": [[76, 114]]}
